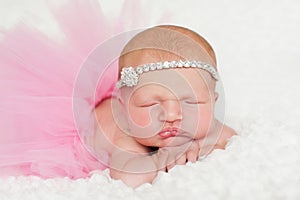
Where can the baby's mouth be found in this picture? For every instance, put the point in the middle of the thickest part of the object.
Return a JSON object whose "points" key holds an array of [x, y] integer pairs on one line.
{"points": [[169, 132]]}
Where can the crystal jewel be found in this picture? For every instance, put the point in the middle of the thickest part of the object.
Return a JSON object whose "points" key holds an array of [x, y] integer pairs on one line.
{"points": [[130, 76]]}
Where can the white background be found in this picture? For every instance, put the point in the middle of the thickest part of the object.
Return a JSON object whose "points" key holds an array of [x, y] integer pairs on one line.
{"points": [[258, 50]]}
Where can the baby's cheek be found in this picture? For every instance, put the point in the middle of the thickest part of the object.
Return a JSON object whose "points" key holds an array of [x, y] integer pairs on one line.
{"points": [[140, 117], [205, 120]]}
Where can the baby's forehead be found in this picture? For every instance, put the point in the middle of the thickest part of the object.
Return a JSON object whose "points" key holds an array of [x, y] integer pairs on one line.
{"points": [[181, 82]]}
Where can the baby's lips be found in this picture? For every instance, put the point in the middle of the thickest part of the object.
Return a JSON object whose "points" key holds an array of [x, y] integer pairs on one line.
{"points": [[169, 132]]}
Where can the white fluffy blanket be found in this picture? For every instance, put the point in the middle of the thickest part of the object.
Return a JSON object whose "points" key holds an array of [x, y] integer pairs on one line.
{"points": [[258, 46]]}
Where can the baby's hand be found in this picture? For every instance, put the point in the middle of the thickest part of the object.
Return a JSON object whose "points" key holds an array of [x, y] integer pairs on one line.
{"points": [[211, 142], [168, 157]]}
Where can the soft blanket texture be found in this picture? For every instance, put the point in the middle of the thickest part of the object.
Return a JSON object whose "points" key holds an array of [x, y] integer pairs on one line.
{"points": [[258, 48]]}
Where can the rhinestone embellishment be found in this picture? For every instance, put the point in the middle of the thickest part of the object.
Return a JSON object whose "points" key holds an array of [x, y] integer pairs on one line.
{"points": [[129, 75]]}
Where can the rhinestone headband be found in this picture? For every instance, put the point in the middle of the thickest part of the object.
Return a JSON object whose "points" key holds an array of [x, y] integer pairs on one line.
{"points": [[130, 76]]}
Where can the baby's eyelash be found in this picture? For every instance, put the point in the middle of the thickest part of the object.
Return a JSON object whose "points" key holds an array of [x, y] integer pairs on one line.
{"points": [[195, 102], [148, 104]]}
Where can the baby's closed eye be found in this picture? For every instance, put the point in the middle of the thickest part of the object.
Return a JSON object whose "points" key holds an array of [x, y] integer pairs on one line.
{"points": [[194, 101], [147, 104]]}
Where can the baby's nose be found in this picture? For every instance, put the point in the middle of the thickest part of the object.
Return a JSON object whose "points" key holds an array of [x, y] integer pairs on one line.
{"points": [[171, 111]]}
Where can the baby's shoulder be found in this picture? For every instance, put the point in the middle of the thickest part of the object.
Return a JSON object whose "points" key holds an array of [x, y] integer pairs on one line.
{"points": [[225, 135], [110, 129], [228, 131]]}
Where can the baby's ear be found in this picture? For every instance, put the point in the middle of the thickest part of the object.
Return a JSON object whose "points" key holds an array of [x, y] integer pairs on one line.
{"points": [[120, 100], [216, 96]]}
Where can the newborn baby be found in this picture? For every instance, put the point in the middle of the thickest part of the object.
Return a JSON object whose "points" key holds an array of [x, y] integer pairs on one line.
{"points": [[162, 113]]}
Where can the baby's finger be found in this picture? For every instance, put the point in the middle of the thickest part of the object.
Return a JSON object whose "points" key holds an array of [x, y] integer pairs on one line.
{"points": [[171, 160], [193, 151], [206, 147], [170, 165], [181, 159], [192, 156], [205, 150]]}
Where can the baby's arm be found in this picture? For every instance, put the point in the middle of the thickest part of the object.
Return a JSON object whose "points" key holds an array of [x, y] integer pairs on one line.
{"points": [[133, 170], [133, 165], [213, 141]]}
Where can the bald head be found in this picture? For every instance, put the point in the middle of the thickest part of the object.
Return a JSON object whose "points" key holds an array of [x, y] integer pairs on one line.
{"points": [[198, 39], [166, 43]]}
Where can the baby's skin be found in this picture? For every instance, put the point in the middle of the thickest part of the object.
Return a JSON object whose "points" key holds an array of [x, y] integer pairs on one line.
{"points": [[167, 119], [173, 149]]}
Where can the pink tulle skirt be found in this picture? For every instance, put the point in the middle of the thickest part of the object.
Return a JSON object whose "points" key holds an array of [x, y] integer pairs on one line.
{"points": [[38, 132]]}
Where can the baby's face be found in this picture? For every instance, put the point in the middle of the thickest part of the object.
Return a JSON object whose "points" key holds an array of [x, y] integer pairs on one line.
{"points": [[169, 107]]}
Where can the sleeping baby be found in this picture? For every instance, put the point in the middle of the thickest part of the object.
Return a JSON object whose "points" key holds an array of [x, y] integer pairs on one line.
{"points": [[162, 111]]}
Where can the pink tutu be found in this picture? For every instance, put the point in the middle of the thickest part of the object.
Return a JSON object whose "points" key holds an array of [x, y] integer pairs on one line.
{"points": [[38, 132]]}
